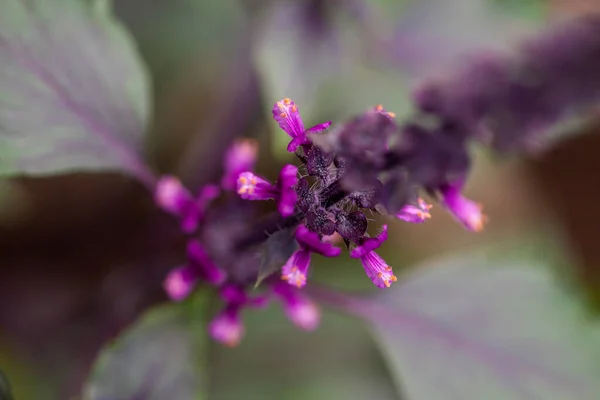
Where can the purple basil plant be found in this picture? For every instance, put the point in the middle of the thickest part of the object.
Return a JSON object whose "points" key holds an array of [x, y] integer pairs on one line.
{"points": [[85, 106]]}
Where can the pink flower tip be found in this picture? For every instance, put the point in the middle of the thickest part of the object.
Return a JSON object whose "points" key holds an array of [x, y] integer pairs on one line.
{"points": [[171, 195], [304, 314], [227, 329], [179, 283]]}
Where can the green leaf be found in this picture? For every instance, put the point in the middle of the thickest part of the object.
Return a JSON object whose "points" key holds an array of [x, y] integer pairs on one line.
{"points": [[465, 328], [73, 92], [160, 357]]}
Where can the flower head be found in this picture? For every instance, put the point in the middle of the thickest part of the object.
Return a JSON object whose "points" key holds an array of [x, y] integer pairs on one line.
{"points": [[227, 327], [240, 157], [286, 113], [299, 309], [295, 270], [375, 267], [253, 187], [464, 210], [415, 214], [180, 282]]}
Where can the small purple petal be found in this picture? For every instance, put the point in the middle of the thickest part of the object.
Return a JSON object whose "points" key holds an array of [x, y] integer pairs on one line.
{"points": [[415, 214], [368, 245], [383, 235], [294, 143], [319, 127], [253, 187], [240, 157], [377, 269], [285, 112], [208, 269], [288, 178], [464, 210], [227, 327], [171, 196], [295, 269], [310, 241], [180, 282], [299, 309]]}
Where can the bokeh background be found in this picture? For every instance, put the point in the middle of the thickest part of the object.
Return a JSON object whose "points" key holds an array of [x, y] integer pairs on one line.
{"points": [[83, 255]]}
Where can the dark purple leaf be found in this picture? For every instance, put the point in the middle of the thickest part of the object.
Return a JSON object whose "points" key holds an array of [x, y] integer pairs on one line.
{"points": [[464, 329], [157, 358], [73, 92], [351, 226], [275, 252]]}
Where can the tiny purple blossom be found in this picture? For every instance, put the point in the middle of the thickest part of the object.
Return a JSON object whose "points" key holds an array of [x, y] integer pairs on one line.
{"points": [[286, 113], [253, 187], [174, 198], [375, 267], [299, 309], [240, 157], [464, 210], [295, 269], [180, 282], [415, 214], [227, 327]]}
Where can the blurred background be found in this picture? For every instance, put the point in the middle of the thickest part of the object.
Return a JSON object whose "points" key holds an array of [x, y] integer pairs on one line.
{"points": [[83, 255]]}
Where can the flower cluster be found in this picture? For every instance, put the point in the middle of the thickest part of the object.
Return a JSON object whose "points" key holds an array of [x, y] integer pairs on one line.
{"points": [[211, 259], [368, 165], [342, 177]]}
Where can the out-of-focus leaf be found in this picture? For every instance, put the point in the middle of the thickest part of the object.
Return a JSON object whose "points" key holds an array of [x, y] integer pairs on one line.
{"points": [[467, 329], [429, 34], [198, 53], [5, 390], [73, 92], [322, 67], [159, 357], [275, 252]]}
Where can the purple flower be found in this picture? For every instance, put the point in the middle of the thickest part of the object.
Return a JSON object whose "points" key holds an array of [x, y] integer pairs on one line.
{"points": [[415, 214], [227, 327], [253, 187], [240, 157], [509, 99], [375, 267], [295, 269], [299, 309], [464, 210], [180, 282], [286, 113], [174, 198]]}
